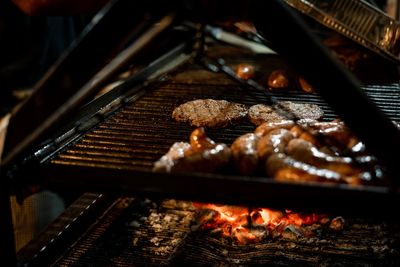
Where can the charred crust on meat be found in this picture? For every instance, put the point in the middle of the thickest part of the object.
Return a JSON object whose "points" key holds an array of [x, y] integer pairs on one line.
{"points": [[210, 113]]}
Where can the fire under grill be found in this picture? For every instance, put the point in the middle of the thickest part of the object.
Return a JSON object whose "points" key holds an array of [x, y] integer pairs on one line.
{"points": [[141, 232], [137, 231]]}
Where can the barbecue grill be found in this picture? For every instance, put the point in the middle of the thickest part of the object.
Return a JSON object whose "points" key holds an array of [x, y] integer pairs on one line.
{"points": [[111, 143]]}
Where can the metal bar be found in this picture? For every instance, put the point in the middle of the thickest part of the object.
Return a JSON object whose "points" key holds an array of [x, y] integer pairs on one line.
{"points": [[253, 191], [131, 87], [60, 91], [337, 86], [65, 230]]}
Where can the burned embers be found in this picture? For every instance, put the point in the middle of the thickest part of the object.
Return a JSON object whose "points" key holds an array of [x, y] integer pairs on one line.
{"points": [[244, 225]]}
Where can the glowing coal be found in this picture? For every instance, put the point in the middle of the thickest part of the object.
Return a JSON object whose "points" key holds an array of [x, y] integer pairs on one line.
{"points": [[246, 225]]}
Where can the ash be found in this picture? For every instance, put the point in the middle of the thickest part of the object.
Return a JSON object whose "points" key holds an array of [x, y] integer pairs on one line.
{"points": [[169, 223]]}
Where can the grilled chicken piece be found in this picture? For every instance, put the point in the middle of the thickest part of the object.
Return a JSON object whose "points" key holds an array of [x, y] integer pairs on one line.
{"points": [[210, 113], [208, 160], [244, 153], [167, 162], [202, 154]]}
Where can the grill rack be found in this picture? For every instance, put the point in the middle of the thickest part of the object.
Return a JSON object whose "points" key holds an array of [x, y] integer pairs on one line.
{"points": [[123, 148]]}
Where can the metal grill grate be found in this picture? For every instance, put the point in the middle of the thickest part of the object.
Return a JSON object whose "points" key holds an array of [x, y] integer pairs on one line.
{"points": [[142, 132]]}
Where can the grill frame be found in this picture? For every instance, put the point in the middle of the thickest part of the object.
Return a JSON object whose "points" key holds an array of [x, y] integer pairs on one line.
{"points": [[114, 169], [254, 191], [104, 187]]}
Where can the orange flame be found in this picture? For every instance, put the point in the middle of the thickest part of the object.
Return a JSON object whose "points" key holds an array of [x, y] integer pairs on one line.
{"points": [[253, 225]]}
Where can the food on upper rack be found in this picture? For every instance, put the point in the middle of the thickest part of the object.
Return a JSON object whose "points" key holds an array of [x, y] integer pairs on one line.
{"points": [[334, 133], [167, 162], [244, 153], [286, 168], [305, 150], [202, 154], [278, 79], [210, 113], [282, 110], [245, 71], [304, 85], [273, 142], [299, 110], [266, 127], [308, 150], [261, 113]]}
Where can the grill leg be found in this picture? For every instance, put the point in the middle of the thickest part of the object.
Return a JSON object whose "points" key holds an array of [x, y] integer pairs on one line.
{"points": [[7, 241]]}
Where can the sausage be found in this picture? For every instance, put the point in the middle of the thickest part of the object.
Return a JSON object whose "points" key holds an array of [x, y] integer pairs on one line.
{"points": [[199, 140], [286, 168], [244, 153], [273, 142], [304, 151], [266, 127]]}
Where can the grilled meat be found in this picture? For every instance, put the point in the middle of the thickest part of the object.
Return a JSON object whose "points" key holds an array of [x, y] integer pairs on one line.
{"points": [[299, 111], [199, 141], [244, 153], [306, 152], [245, 71], [208, 160], [283, 167], [334, 133], [284, 110], [304, 85], [321, 151], [202, 154], [210, 113], [266, 127], [278, 79], [167, 162], [273, 142], [260, 113]]}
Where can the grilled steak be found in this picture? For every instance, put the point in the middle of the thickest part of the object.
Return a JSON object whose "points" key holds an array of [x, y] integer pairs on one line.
{"points": [[209, 113]]}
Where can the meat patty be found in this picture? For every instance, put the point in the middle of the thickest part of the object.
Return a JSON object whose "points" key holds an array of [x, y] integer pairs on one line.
{"points": [[258, 114], [283, 110], [299, 110], [210, 113]]}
